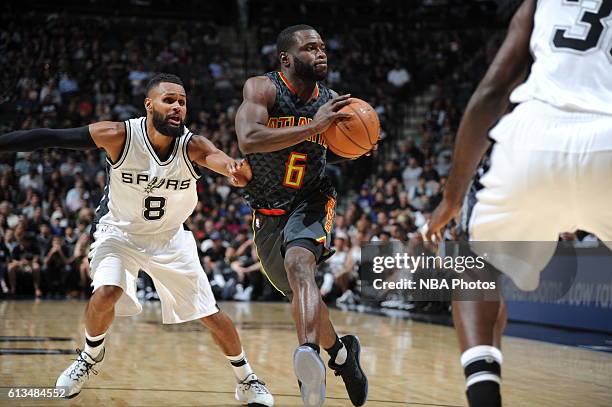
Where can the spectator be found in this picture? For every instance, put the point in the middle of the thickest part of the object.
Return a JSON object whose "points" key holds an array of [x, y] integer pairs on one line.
{"points": [[31, 180], [75, 196], [399, 78], [247, 268], [5, 258], [419, 194], [335, 267], [411, 174], [25, 262], [55, 266], [80, 263]]}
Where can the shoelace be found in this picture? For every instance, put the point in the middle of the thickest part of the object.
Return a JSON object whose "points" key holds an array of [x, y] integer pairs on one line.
{"points": [[338, 371], [256, 384], [79, 370]]}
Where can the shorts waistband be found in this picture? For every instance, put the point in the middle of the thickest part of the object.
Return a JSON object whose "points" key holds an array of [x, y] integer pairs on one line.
{"points": [[272, 212]]}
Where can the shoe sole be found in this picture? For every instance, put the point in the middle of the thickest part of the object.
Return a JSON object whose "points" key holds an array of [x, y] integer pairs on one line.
{"points": [[310, 371], [72, 395], [249, 404], [357, 356]]}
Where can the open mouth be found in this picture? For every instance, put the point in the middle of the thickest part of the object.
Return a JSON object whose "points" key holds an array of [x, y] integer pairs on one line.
{"points": [[174, 120]]}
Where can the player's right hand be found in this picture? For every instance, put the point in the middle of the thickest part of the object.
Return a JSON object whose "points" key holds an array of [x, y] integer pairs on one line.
{"points": [[329, 112], [240, 173]]}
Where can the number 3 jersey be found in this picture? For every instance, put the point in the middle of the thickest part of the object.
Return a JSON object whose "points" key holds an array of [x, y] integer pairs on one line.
{"points": [[282, 179], [571, 44], [143, 194]]}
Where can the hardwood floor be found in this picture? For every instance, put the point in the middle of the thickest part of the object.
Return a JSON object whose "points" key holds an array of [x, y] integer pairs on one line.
{"points": [[150, 364]]}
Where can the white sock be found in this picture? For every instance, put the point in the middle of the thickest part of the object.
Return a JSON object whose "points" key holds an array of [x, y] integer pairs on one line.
{"points": [[341, 356], [241, 366], [482, 363], [337, 353], [94, 344]]}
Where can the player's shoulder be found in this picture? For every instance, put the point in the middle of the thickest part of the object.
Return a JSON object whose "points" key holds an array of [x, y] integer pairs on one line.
{"points": [[259, 82], [196, 139], [108, 131], [259, 88], [199, 145]]}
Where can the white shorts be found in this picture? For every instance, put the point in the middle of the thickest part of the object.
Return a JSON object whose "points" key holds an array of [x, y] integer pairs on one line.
{"points": [[171, 259], [550, 173]]}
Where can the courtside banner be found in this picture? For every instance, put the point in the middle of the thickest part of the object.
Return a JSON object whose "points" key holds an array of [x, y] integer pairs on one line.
{"points": [[571, 273]]}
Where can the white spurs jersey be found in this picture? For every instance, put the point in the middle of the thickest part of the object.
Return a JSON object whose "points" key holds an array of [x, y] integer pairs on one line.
{"points": [[143, 194], [572, 47]]}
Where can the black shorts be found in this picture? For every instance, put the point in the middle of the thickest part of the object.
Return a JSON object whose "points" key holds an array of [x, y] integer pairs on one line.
{"points": [[309, 225]]}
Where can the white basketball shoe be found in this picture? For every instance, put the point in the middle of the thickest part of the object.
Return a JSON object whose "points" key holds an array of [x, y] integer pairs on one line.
{"points": [[75, 376], [253, 392]]}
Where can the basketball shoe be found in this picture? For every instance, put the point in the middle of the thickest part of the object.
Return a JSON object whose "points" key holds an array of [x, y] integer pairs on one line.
{"points": [[253, 392], [310, 371], [354, 378], [75, 376]]}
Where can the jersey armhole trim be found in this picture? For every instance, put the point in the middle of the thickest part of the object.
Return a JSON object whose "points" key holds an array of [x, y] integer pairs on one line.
{"points": [[275, 79], [126, 147], [193, 170]]}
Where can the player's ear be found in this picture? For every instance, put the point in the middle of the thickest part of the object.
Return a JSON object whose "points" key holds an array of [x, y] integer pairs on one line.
{"points": [[284, 59], [148, 103]]}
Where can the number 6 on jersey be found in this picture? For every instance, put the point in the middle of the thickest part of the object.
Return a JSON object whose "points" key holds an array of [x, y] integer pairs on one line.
{"points": [[294, 171]]}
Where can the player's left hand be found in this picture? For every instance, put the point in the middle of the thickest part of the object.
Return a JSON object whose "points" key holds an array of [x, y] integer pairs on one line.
{"points": [[239, 173], [432, 231]]}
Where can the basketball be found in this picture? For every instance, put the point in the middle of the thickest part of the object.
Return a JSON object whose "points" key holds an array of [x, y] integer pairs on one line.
{"points": [[356, 136]]}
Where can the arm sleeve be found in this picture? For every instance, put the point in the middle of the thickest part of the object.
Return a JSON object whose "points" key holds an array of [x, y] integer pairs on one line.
{"points": [[29, 140], [334, 159]]}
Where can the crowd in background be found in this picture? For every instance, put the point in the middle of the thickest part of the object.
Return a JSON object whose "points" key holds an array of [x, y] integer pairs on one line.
{"points": [[65, 72]]}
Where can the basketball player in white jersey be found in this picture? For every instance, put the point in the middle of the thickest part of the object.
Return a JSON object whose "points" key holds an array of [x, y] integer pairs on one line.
{"points": [[550, 164], [150, 192]]}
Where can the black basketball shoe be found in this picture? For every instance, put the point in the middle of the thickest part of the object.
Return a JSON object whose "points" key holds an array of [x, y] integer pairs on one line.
{"points": [[354, 378]]}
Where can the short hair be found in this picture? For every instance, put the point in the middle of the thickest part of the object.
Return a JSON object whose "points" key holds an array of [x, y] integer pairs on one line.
{"points": [[286, 38], [162, 77]]}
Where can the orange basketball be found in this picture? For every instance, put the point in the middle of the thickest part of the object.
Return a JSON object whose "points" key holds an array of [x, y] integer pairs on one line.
{"points": [[356, 136]]}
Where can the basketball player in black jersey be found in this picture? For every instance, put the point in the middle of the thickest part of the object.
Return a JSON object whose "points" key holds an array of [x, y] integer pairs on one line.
{"points": [[279, 127]]}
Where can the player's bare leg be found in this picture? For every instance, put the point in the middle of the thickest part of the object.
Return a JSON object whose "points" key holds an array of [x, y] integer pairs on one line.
{"points": [[249, 388], [99, 316], [300, 265], [314, 329], [223, 333], [100, 311], [480, 325]]}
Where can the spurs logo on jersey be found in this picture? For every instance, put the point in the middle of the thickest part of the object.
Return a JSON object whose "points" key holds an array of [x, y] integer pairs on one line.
{"points": [[571, 44], [144, 194], [155, 183]]}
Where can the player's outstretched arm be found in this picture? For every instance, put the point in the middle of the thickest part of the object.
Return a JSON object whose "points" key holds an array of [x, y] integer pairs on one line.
{"points": [[29, 140], [203, 152], [487, 104], [254, 136], [107, 135]]}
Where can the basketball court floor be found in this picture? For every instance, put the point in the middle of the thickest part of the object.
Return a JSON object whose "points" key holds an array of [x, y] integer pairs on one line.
{"points": [[149, 364]]}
